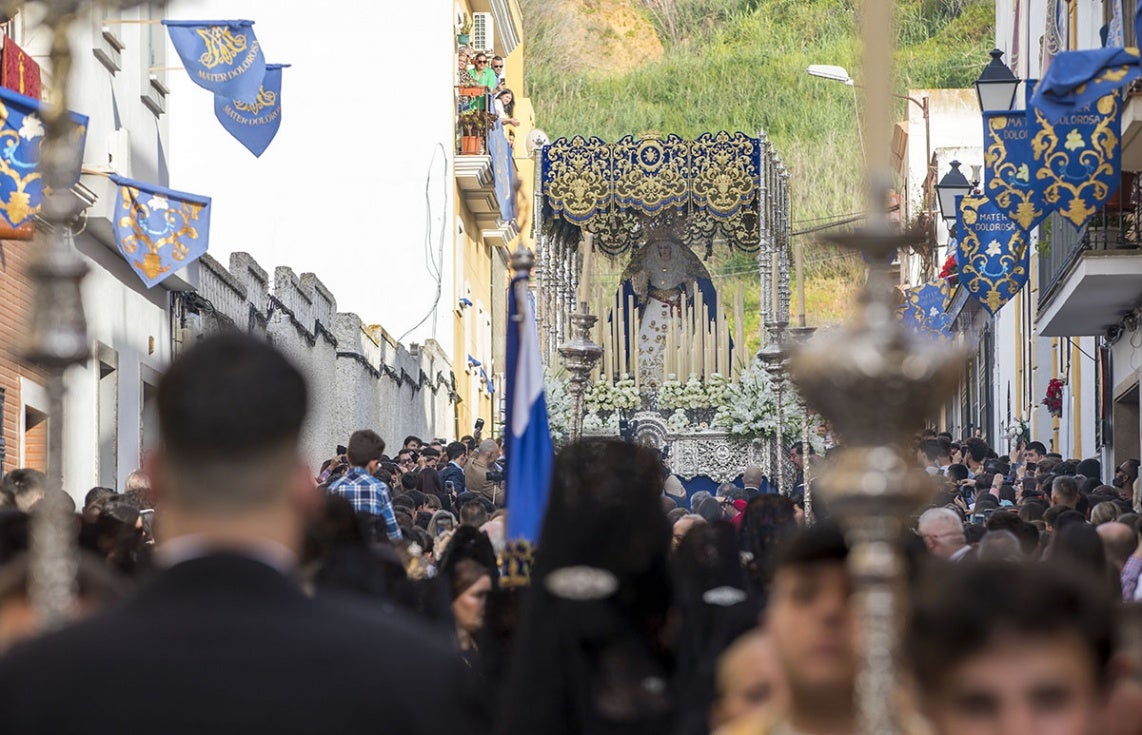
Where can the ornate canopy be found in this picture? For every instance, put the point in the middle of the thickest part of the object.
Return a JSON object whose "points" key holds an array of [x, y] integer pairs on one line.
{"points": [[701, 189]]}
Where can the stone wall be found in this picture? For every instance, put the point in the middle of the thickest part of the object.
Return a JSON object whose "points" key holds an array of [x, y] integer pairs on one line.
{"points": [[359, 376]]}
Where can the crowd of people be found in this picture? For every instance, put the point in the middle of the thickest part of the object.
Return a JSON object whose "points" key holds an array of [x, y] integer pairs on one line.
{"points": [[231, 588]]}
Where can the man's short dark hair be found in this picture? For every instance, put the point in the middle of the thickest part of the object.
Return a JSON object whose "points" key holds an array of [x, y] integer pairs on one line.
{"points": [[1052, 514], [23, 482], [429, 453], [931, 450], [365, 445], [456, 450], [961, 612], [977, 448], [822, 543], [411, 438], [473, 513], [230, 396], [230, 410], [1066, 488], [957, 473], [1038, 447], [1066, 518], [98, 495], [799, 447], [1003, 520]]}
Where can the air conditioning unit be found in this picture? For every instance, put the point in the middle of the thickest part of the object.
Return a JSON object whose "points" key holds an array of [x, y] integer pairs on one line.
{"points": [[483, 32]]}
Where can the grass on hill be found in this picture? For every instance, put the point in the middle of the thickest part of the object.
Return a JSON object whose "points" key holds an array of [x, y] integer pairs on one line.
{"points": [[741, 65]]}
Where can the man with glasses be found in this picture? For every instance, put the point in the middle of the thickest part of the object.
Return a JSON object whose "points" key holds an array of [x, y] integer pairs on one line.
{"points": [[498, 70], [943, 534]]}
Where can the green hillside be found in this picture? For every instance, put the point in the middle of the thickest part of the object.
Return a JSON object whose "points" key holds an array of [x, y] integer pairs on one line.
{"points": [[740, 65]]}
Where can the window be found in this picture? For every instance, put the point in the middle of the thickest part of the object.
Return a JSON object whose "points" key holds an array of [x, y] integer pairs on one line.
{"points": [[154, 65], [149, 424], [107, 409]]}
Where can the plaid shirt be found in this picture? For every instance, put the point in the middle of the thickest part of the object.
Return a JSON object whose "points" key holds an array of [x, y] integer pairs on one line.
{"points": [[368, 495]]}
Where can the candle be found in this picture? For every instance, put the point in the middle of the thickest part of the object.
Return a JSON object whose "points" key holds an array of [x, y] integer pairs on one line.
{"points": [[799, 256], [700, 330], [774, 284], [739, 327], [623, 341], [586, 245], [635, 348]]}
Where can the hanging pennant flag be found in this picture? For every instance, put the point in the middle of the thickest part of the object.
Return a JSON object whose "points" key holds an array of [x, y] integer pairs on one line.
{"points": [[503, 171], [1009, 168], [1077, 159], [1077, 79], [993, 256], [223, 56], [159, 231], [925, 309], [255, 123], [22, 188]]}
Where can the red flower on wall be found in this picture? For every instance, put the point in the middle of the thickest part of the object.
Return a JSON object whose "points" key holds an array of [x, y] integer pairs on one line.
{"points": [[950, 272], [1054, 399]]}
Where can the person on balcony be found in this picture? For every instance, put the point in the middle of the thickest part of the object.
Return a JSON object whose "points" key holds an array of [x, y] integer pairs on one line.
{"points": [[485, 77], [505, 108], [464, 78]]}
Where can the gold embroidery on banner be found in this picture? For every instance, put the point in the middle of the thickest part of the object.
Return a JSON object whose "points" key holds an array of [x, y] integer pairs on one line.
{"points": [[262, 101], [178, 217], [222, 46], [989, 287], [1004, 185], [1056, 153]]}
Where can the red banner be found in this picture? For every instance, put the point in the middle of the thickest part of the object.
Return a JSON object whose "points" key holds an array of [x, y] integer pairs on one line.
{"points": [[19, 71]]}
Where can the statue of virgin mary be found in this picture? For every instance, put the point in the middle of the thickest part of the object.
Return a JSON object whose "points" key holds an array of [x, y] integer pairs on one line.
{"points": [[662, 275]]}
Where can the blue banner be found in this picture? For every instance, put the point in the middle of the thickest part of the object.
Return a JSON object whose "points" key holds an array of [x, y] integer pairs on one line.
{"points": [[1009, 168], [503, 171], [1077, 79], [254, 124], [159, 231], [925, 309], [1077, 159], [22, 188], [223, 56], [993, 255]]}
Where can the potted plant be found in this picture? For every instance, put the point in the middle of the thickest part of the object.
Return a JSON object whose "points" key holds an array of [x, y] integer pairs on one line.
{"points": [[464, 32], [474, 127]]}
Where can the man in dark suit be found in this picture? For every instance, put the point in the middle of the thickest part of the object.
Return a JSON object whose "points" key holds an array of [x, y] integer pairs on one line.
{"points": [[454, 471], [221, 640]]}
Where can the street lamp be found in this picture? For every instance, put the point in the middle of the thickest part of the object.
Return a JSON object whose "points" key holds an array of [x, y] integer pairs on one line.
{"points": [[832, 73], [954, 184], [996, 86]]}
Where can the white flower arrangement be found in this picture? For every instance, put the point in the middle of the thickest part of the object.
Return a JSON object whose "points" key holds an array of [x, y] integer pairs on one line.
{"points": [[1017, 431], [593, 423], [716, 386], [558, 404], [749, 406], [607, 396], [670, 394], [678, 421]]}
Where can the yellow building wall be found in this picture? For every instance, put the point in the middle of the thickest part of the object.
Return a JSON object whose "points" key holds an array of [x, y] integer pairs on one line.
{"points": [[472, 334]]}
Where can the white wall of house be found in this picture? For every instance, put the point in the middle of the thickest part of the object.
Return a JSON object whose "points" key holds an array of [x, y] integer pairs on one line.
{"points": [[357, 185]]}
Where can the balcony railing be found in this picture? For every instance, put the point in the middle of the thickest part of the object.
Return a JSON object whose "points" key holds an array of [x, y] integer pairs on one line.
{"points": [[473, 120], [1115, 227]]}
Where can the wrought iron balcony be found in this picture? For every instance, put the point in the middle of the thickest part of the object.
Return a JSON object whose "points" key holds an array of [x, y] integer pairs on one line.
{"points": [[1088, 278]]}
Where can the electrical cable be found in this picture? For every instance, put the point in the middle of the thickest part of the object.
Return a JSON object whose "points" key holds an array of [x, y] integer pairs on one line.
{"points": [[433, 266]]}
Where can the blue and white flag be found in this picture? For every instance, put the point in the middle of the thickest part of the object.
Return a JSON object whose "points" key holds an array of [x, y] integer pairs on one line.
{"points": [[159, 231], [223, 56], [530, 452], [255, 123], [22, 188]]}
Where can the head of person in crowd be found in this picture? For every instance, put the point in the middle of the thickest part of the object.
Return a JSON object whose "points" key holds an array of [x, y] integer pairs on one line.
{"points": [[748, 681], [471, 585], [429, 457], [957, 473], [753, 478], [810, 623], [366, 448], [412, 442], [407, 459], [797, 455], [442, 522], [117, 535], [1090, 468], [1009, 649], [457, 453], [138, 486], [1000, 545], [767, 522], [1064, 491], [1119, 541], [26, 487], [94, 501], [1034, 452], [1078, 545], [473, 513], [976, 453], [1104, 512], [487, 452], [942, 532], [228, 469], [674, 488], [603, 531], [1126, 474], [709, 508], [684, 525]]}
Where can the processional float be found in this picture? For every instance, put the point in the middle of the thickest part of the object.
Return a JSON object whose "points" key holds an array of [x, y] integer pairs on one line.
{"points": [[660, 207]]}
